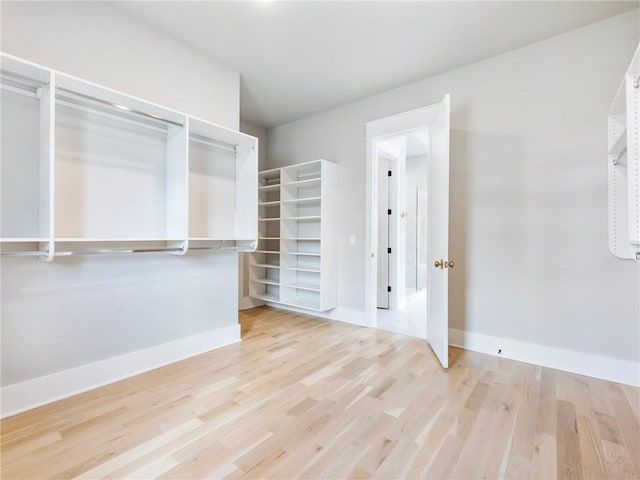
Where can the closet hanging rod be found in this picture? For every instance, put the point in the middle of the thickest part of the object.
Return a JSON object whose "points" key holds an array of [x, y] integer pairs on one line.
{"points": [[120, 107], [238, 248], [117, 251], [35, 253], [120, 251], [21, 90], [22, 79], [155, 126], [212, 143]]}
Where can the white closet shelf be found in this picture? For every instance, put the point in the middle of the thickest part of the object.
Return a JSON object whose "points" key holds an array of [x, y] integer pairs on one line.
{"points": [[265, 281], [219, 239], [271, 173], [268, 238], [300, 239], [301, 269], [311, 182], [127, 240], [270, 252], [91, 94], [265, 265], [23, 240], [303, 219], [307, 305], [304, 286], [302, 254], [300, 201], [269, 204], [267, 297], [268, 219], [269, 188]]}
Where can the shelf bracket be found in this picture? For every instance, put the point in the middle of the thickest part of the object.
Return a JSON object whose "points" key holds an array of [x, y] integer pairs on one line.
{"points": [[617, 158]]}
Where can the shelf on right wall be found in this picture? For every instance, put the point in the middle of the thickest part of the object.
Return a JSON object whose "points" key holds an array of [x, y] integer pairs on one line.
{"points": [[623, 132]]}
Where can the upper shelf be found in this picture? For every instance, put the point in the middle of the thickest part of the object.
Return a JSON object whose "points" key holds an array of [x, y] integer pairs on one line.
{"points": [[221, 135], [311, 182], [90, 94]]}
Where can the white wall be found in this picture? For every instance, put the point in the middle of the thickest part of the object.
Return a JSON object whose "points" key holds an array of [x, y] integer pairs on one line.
{"points": [[528, 190], [83, 309], [261, 134], [99, 42]]}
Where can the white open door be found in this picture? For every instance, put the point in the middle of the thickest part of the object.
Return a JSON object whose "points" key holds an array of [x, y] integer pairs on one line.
{"points": [[438, 236]]}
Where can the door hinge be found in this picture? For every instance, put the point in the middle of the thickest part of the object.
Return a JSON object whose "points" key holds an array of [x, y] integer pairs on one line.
{"points": [[388, 289], [389, 250], [389, 173], [389, 212]]}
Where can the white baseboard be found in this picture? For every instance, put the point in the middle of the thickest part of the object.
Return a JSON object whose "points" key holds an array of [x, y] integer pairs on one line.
{"points": [[340, 314], [607, 368], [245, 303], [39, 391]]}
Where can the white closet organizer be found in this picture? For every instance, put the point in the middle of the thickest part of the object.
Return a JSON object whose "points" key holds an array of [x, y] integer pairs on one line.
{"points": [[623, 125], [295, 263], [88, 170]]}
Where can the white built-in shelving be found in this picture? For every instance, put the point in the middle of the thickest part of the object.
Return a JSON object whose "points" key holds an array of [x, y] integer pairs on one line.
{"points": [[623, 128], [295, 264], [86, 169], [264, 267]]}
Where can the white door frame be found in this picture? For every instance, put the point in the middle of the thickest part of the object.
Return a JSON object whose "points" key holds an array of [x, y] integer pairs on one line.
{"points": [[392, 126]]}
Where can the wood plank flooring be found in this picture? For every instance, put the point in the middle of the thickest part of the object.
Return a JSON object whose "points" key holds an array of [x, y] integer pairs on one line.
{"points": [[306, 398]]}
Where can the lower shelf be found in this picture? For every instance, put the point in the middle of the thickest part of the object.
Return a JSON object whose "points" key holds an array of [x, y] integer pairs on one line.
{"points": [[297, 304], [303, 286], [266, 297]]}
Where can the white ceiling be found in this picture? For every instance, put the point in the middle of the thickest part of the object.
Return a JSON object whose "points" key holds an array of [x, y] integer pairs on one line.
{"points": [[298, 58]]}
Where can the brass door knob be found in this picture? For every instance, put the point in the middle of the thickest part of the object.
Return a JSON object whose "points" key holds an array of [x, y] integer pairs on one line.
{"points": [[444, 264]]}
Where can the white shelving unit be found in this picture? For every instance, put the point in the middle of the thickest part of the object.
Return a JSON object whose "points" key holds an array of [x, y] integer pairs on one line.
{"points": [[264, 277], [297, 217], [86, 169], [623, 129]]}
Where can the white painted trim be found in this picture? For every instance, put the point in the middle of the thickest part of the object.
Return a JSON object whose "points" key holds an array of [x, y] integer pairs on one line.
{"points": [[39, 391], [606, 368], [339, 314]]}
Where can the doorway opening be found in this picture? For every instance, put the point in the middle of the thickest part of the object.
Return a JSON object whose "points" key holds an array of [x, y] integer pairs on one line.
{"points": [[401, 240], [406, 284]]}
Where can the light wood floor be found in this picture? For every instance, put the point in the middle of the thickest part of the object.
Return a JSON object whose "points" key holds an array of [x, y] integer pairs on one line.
{"points": [[306, 398]]}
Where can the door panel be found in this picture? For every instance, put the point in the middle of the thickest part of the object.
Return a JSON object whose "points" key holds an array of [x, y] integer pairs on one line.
{"points": [[438, 235], [383, 233]]}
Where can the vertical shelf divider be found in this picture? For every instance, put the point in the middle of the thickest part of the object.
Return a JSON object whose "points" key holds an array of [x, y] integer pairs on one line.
{"points": [[178, 187], [47, 147]]}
